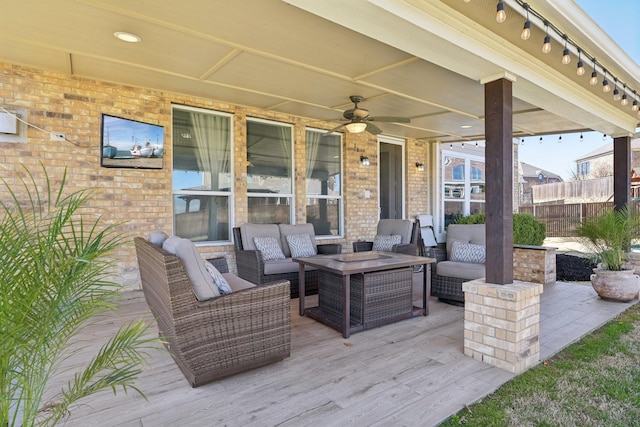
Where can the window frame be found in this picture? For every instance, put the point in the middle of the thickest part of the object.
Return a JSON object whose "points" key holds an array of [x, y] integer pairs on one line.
{"points": [[215, 193], [292, 195], [340, 198]]}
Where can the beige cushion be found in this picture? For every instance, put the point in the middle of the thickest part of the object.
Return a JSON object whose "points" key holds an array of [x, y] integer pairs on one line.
{"points": [[280, 266], [250, 231], [202, 284], [157, 237], [289, 229], [460, 270], [237, 283], [467, 233], [402, 227]]}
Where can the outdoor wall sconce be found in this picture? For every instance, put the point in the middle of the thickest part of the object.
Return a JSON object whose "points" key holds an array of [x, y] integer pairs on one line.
{"points": [[420, 167], [364, 161]]}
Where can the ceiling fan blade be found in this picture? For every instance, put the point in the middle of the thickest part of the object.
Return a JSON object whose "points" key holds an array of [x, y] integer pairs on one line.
{"points": [[388, 119], [372, 129], [329, 132]]}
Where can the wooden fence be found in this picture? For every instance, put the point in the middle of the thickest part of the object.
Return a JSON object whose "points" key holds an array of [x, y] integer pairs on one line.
{"points": [[562, 220]]}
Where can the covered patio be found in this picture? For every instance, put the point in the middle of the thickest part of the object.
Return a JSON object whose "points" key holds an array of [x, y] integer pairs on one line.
{"points": [[412, 372], [445, 64]]}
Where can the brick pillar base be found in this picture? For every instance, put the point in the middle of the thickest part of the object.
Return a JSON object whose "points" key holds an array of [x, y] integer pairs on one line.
{"points": [[502, 324]]}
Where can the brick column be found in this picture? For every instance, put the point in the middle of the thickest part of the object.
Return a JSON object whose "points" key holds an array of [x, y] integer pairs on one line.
{"points": [[502, 324]]}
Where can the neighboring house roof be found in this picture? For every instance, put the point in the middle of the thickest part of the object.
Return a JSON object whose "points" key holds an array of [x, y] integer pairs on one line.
{"points": [[530, 171], [605, 150]]}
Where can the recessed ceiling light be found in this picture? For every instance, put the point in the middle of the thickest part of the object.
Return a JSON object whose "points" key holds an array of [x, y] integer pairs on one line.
{"points": [[127, 37], [465, 126]]}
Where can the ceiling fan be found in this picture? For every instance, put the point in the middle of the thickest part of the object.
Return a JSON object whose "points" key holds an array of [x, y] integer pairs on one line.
{"points": [[359, 119]]}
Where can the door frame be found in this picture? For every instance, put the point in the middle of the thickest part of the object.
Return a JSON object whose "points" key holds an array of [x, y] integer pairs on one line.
{"points": [[402, 143]]}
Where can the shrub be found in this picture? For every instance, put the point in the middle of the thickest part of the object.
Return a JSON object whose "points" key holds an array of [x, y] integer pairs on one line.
{"points": [[526, 229]]}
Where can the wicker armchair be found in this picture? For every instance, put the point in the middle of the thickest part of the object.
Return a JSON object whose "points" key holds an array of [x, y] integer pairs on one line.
{"points": [[251, 266], [447, 277], [213, 339], [407, 230]]}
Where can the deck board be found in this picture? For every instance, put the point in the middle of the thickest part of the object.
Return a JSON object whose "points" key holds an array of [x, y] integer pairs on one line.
{"points": [[412, 372]]}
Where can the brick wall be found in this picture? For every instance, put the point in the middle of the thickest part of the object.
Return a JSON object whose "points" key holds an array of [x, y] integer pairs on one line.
{"points": [[534, 264], [140, 201]]}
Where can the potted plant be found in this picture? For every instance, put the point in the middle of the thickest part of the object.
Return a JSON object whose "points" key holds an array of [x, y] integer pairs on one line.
{"points": [[55, 275], [610, 235]]}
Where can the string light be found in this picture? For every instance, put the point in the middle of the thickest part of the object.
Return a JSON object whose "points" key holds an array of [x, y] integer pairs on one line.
{"points": [[566, 57], [581, 137], [626, 96], [540, 142], [605, 83], [616, 92], [546, 46], [522, 141], [560, 139], [526, 30], [604, 136], [580, 66], [594, 75], [501, 15]]}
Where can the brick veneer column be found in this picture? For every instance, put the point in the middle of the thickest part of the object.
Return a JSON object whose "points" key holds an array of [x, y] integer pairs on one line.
{"points": [[502, 324]]}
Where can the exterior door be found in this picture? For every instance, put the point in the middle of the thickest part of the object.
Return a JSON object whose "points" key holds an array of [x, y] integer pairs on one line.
{"points": [[391, 178]]}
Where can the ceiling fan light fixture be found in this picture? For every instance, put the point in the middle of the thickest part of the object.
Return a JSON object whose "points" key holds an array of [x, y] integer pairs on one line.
{"points": [[356, 127]]}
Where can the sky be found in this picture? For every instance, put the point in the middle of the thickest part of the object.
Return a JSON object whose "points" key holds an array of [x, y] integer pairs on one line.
{"points": [[618, 18]]}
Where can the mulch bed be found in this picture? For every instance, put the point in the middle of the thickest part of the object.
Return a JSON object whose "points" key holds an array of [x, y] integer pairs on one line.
{"points": [[573, 268]]}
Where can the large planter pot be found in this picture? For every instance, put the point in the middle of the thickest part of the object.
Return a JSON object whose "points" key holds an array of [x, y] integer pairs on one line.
{"points": [[621, 286]]}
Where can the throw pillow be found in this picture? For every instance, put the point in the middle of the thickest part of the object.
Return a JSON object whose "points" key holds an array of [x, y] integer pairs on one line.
{"points": [[386, 242], [157, 237], [218, 278], [300, 245], [270, 248], [468, 252], [201, 281]]}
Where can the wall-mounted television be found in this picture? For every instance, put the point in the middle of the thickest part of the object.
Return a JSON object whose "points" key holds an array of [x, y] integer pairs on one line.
{"points": [[129, 143]]}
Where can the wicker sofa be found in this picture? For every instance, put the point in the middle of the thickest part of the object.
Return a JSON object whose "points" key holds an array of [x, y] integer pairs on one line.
{"points": [[212, 339], [252, 267], [447, 275]]}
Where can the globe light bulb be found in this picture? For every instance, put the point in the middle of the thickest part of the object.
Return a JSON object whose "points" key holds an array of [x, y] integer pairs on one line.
{"points": [[501, 15], [546, 46], [594, 79], [580, 68], [526, 30], [605, 86], [566, 57]]}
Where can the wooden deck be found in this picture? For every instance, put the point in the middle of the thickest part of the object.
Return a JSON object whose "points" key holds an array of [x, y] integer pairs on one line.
{"points": [[409, 373]]}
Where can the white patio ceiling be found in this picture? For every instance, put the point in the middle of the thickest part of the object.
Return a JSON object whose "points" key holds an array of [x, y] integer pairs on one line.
{"points": [[423, 59]]}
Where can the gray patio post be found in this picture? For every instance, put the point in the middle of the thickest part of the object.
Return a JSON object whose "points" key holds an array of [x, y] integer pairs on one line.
{"points": [[499, 180], [621, 171]]}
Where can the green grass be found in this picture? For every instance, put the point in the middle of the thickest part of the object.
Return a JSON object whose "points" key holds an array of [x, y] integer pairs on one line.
{"points": [[594, 382]]}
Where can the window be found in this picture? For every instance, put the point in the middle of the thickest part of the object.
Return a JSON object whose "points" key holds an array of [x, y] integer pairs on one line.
{"points": [[458, 173], [269, 172], [584, 168], [324, 182], [463, 185], [202, 174]]}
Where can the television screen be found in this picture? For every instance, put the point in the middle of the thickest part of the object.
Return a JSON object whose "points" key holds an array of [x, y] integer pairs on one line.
{"points": [[131, 144]]}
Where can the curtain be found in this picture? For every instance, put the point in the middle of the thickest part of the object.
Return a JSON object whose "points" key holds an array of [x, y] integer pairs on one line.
{"points": [[211, 135], [313, 143]]}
